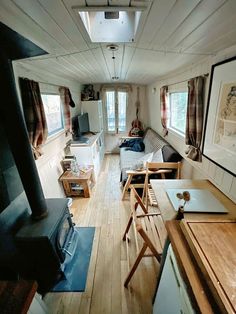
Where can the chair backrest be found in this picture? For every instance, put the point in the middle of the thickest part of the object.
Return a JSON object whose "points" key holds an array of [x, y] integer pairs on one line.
{"points": [[161, 168], [145, 225], [164, 167]]}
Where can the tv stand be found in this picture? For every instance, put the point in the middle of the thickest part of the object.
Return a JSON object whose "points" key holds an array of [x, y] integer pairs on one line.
{"points": [[90, 153], [83, 139], [80, 140]]}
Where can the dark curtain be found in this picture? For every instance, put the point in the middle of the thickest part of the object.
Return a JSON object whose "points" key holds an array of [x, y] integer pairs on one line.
{"points": [[164, 108], [67, 103], [194, 118], [34, 115]]}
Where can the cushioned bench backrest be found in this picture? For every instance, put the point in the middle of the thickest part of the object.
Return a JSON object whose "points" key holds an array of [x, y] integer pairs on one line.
{"points": [[170, 154], [153, 141]]}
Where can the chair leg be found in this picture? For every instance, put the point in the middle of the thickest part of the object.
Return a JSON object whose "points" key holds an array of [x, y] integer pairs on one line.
{"points": [[127, 184], [127, 228], [150, 245], [136, 263]]}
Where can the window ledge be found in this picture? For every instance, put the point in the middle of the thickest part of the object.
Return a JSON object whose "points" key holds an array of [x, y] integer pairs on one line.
{"points": [[54, 136], [175, 132]]}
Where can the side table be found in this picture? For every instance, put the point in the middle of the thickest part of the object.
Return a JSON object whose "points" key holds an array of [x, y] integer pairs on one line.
{"points": [[74, 183]]}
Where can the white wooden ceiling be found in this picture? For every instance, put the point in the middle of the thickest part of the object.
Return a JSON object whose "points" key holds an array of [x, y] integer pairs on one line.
{"points": [[173, 33]]}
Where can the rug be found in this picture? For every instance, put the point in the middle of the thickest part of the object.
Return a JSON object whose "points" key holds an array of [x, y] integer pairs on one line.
{"points": [[76, 268]]}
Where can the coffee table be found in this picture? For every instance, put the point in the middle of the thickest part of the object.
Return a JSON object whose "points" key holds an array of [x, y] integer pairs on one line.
{"points": [[73, 183]]}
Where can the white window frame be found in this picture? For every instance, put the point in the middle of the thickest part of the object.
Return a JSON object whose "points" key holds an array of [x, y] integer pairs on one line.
{"points": [[116, 131], [170, 126], [62, 128]]}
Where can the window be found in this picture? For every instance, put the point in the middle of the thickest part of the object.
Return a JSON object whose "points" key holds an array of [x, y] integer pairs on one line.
{"points": [[177, 109], [116, 111], [53, 111]]}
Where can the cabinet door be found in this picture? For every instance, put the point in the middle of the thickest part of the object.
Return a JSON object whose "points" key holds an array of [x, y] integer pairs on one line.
{"points": [[168, 298], [172, 297], [84, 155]]}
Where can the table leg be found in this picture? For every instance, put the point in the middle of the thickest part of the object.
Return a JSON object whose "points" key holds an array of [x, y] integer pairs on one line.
{"points": [[86, 189]]}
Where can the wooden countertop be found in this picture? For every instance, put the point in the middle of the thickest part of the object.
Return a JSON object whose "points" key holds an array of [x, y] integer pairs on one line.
{"points": [[213, 245], [16, 296], [197, 288], [166, 207]]}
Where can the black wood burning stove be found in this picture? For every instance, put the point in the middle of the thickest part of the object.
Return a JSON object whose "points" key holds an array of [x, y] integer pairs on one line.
{"points": [[44, 244]]}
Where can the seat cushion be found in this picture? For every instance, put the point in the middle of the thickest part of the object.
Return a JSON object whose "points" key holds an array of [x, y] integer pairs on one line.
{"points": [[153, 143], [128, 159]]}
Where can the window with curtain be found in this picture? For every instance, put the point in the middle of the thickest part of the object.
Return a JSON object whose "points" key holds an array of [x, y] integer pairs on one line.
{"points": [[116, 103], [53, 112], [177, 111]]}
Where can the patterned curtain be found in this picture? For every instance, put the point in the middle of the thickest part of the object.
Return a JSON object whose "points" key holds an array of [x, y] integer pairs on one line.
{"points": [[194, 118], [67, 102], [164, 109], [34, 115]]}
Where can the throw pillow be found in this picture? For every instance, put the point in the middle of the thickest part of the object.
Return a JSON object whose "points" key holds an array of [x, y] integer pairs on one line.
{"points": [[141, 162], [157, 156]]}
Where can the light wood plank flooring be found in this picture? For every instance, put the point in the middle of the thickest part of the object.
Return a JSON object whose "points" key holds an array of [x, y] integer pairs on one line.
{"points": [[105, 292]]}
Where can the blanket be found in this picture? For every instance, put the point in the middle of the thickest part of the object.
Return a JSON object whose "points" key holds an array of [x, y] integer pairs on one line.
{"points": [[135, 144]]}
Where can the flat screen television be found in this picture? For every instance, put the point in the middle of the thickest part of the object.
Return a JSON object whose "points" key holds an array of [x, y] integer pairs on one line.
{"points": [[80, 126]]}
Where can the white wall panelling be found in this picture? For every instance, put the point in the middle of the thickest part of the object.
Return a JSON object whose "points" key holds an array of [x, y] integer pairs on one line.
{"points": [[207, 169], [172, 34]]}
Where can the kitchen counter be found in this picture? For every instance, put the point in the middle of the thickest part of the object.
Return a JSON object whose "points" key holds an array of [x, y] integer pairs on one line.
{"points": [[195, 247], [202, 299]]}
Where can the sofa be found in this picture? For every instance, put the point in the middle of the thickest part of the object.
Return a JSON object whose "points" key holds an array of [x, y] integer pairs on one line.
{"points": [[153, 142]]}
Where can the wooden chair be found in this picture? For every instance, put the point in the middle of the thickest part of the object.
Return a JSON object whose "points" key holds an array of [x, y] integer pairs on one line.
{"points": [[150, 229], [161, 168]]}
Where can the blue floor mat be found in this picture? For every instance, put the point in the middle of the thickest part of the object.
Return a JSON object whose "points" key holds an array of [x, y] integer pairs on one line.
{"points": [[76, 268]]}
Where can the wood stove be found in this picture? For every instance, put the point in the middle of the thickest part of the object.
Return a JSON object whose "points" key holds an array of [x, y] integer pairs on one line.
{"points": [[44, 244]]}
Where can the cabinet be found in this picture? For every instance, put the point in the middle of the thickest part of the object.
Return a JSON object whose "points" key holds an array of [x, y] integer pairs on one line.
{"points": [[172, 297], [94, 110], [91, 153]]}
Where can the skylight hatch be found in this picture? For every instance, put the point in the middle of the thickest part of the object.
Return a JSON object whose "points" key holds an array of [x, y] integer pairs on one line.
{"points": [[110, 24]]}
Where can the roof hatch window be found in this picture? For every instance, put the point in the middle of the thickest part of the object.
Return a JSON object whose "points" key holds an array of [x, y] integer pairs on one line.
{"points": [[109, 24]]}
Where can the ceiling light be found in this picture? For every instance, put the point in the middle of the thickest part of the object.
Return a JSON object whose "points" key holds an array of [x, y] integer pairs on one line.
{"points": [[112, 47]]}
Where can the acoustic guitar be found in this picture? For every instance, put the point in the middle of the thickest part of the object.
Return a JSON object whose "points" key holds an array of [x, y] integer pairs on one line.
{"points": [[136, 125]]}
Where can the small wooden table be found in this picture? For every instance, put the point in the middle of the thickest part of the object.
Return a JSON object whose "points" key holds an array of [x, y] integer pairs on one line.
{"points": [[74, 183]]}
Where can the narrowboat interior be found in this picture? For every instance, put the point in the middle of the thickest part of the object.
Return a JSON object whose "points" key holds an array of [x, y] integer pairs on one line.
{"points": [[118, 156]]}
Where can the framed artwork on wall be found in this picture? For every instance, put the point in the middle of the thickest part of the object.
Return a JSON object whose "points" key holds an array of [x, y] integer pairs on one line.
{"points": [[219, 141]]}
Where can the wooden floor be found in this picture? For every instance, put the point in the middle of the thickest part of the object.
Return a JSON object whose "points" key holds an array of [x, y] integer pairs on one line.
{"points": [[105, 292]]}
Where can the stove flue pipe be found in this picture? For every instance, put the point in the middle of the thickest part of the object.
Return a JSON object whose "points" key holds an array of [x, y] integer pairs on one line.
{"points": [[17, 134]]}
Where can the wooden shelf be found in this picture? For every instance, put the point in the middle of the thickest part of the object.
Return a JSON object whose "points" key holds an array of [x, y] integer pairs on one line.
{"points": [[16, 296]]}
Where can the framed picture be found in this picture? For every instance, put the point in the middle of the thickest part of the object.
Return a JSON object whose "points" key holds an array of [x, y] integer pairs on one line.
{"points": [[219, 142]]}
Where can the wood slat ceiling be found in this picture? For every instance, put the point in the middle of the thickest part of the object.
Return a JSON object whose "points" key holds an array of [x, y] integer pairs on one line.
{"points": [[172, 34]]}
